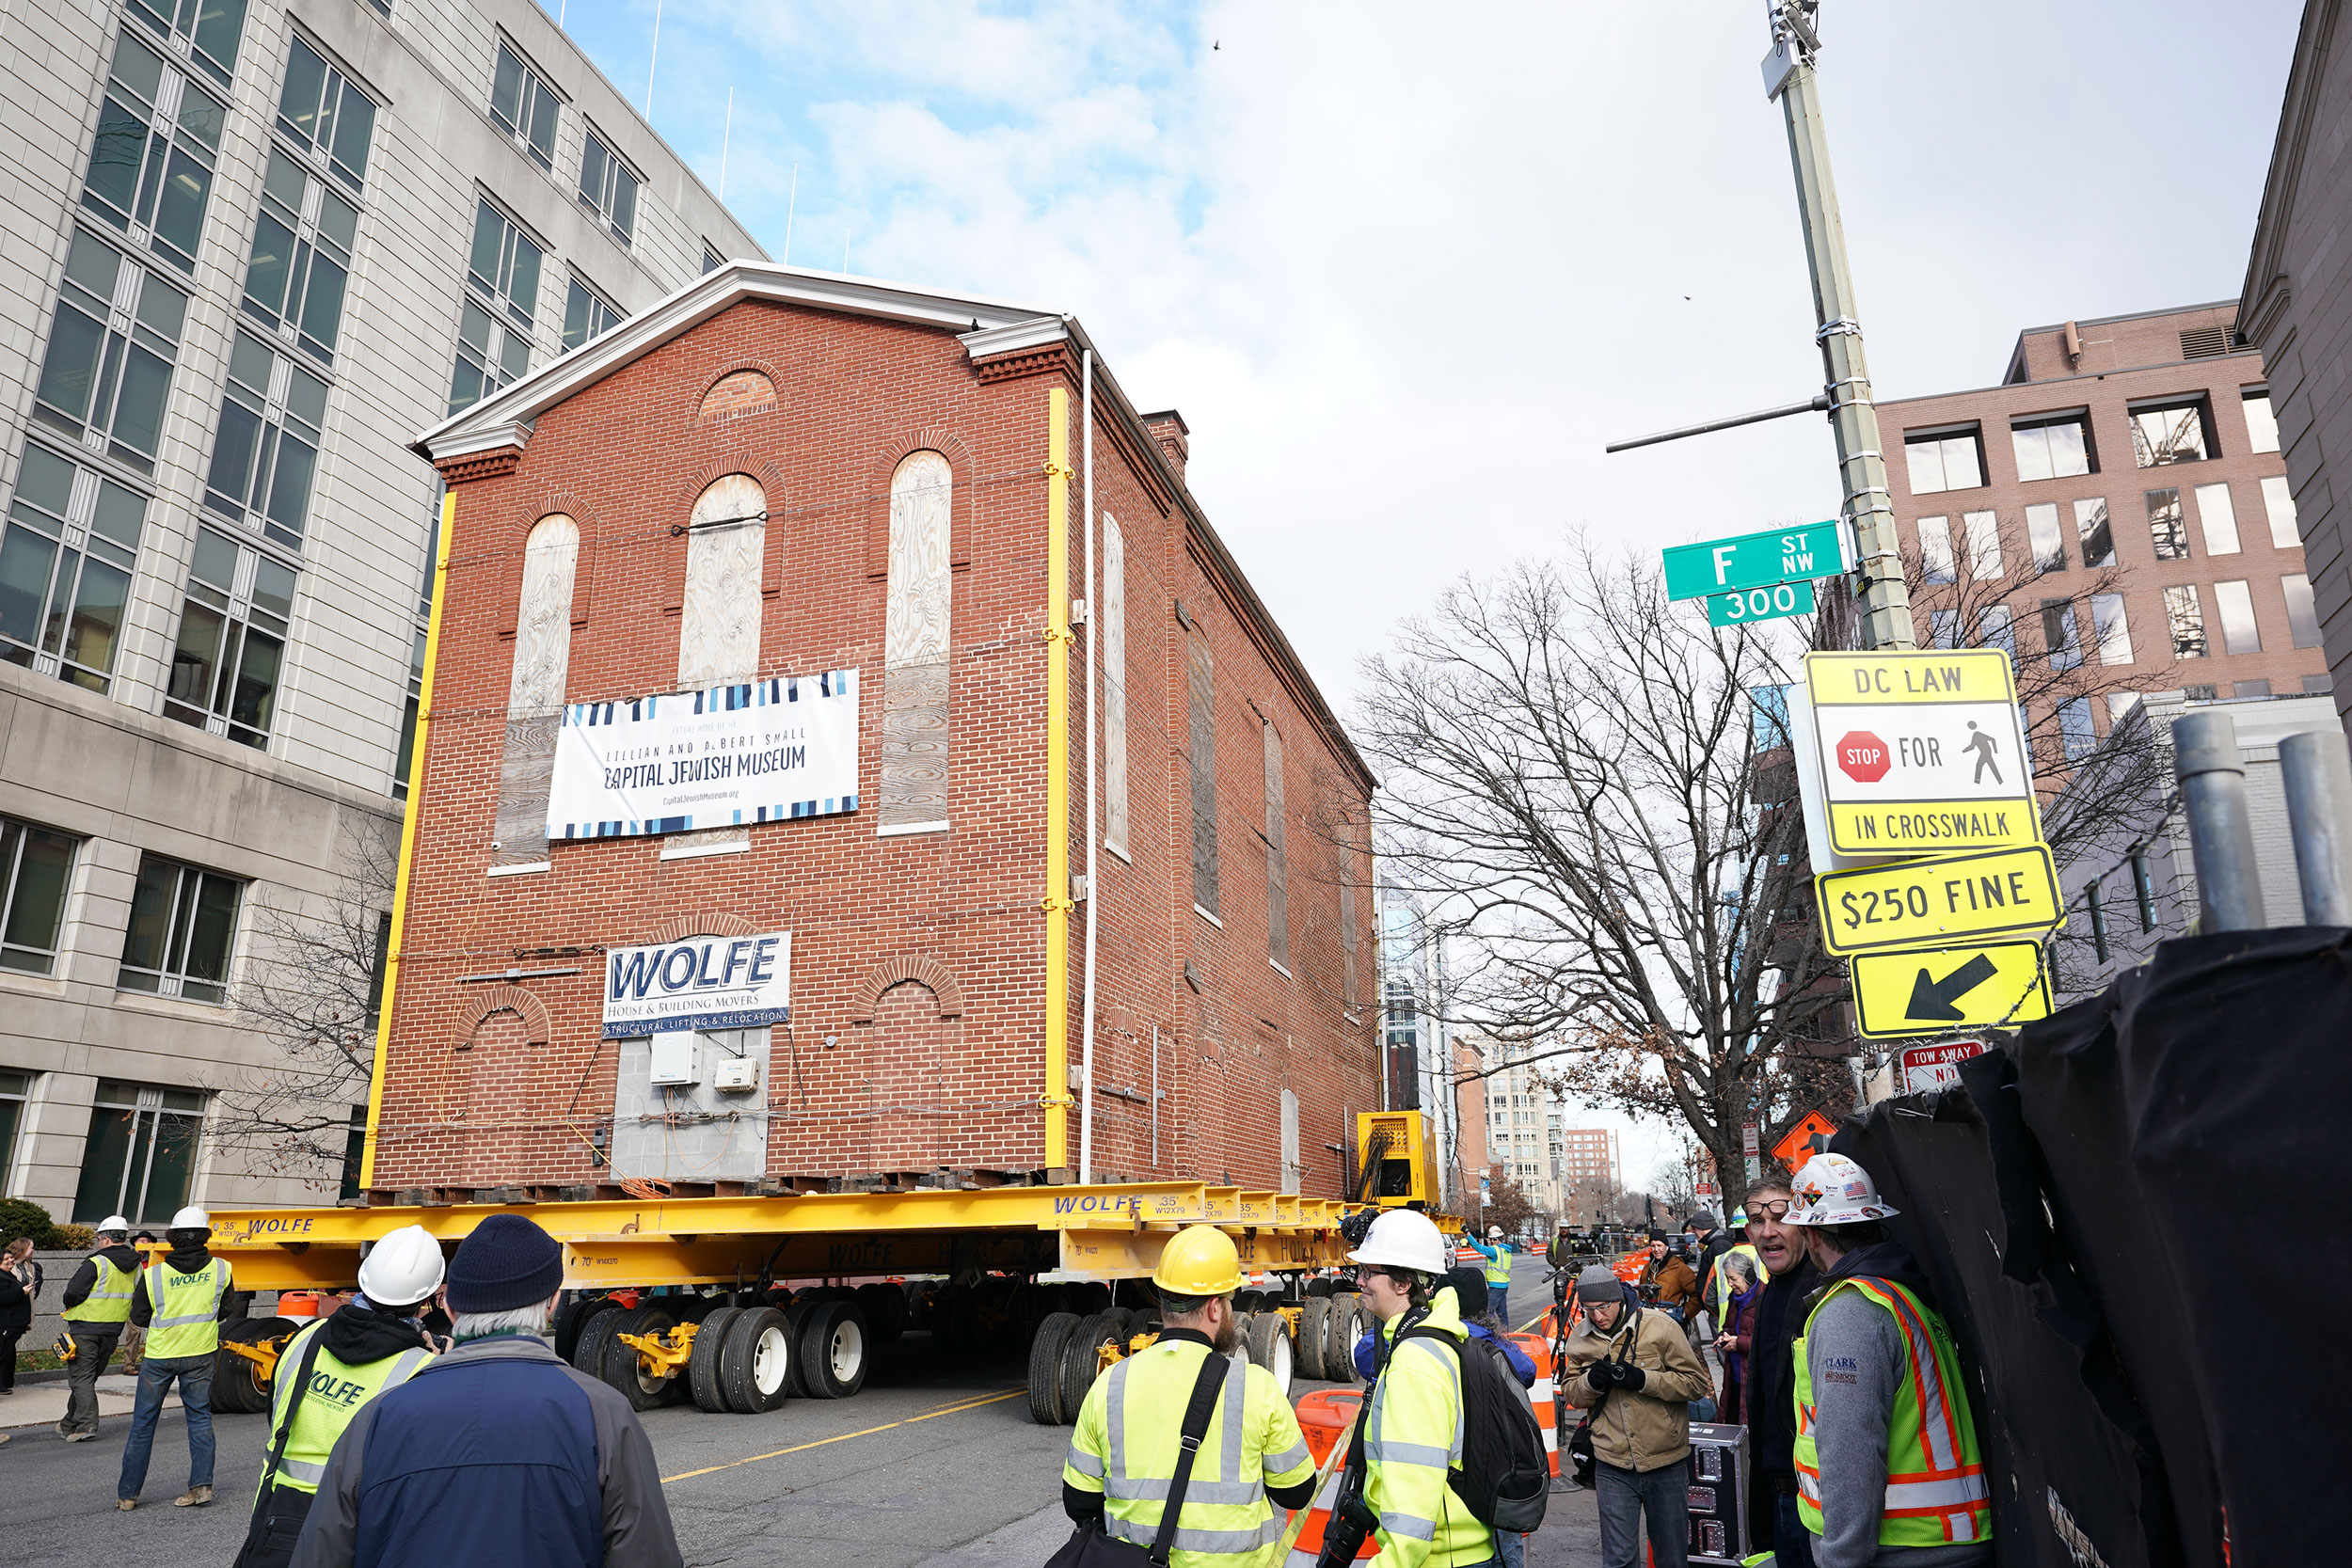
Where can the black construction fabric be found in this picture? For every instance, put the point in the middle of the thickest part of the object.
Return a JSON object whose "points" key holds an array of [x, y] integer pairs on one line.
{"points": [[2236, 1076], [2072, 1098], [2041, 1434]]}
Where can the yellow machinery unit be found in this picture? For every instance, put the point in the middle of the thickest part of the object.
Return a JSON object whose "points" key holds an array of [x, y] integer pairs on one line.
{"points": [[1393, 1161]]}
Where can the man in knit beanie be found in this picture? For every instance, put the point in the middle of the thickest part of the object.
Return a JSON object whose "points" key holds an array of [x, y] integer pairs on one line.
{"points": [[500, 1450]]}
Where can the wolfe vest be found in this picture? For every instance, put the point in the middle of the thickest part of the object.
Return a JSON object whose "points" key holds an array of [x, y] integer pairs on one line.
{"points": [[1936, 1494], [187, 1309], [109, 1298], [325, 1404]]}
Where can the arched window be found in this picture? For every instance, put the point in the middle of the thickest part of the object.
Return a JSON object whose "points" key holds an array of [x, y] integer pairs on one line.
{"points": [[718, 640], [914, 754], [535, 694]]}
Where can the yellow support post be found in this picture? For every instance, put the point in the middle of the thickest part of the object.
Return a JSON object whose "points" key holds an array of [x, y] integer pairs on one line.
{"points": [[407, 836], [1057, 902]]}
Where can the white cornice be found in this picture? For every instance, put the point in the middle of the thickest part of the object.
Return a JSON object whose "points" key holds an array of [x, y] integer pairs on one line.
{"points": [[991, 340], [505, 418]]}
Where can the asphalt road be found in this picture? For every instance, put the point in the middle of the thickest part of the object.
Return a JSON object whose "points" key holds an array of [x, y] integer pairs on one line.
{"points": [[935, 1465]]}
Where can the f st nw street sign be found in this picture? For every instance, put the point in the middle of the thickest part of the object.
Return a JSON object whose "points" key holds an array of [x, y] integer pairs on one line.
{"points": [[1759, 604], [1937, 990], [1941, 901], [1921, 753], [1753, 561]]}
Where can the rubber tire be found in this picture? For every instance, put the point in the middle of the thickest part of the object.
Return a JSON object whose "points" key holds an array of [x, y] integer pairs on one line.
{"points": [[1080, 1357], [1318, 1287], [702, 1367], [619, 1367], [1089, 1297], [1315, 1335], [237, 1387], [829, 1327], [739, 1361], [595, 1332], [1269, 1341], [1052, 1336], [573, 1316], [886, 1309], [1345, 1326]]}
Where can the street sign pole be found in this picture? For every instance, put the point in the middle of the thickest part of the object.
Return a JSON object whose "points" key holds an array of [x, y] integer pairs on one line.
{"points": [[1861, 466]]}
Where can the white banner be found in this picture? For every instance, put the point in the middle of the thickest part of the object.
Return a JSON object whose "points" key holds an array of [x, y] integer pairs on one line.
{"points": [[756, 752], [699, 982]]}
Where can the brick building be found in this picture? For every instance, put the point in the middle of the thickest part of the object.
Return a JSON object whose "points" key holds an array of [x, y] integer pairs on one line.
{"points": [[2118, 501], [800, 486]]}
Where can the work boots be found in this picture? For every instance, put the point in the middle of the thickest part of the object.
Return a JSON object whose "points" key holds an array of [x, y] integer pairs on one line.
{"points": [[194, 1496]]}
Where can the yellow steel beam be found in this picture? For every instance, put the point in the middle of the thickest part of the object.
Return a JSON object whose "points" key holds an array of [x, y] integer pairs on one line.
{"points": [[1057, 902], [389, 989]]}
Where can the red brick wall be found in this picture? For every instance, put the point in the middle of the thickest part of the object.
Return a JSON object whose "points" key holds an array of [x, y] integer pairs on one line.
{"points": [[469, 1102]]}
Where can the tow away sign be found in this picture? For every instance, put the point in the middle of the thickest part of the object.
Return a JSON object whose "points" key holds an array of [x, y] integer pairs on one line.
{"points": [[1941, 901], [1944, 989], [1921, 753]]}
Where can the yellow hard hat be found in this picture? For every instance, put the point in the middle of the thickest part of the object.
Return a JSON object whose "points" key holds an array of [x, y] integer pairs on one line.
{"points": [[1198, 1260]]}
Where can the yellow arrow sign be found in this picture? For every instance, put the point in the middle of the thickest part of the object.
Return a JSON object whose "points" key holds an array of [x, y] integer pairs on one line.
{"points": [[1941, 989], [1940, 900]]}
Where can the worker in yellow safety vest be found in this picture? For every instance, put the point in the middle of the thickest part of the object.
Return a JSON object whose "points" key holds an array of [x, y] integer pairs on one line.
{"points": [[1124, 1456], [327, 1372], [1413, 1431], [1498, 1256], [1885, 1449], [97, 1304], [178, 1300]]}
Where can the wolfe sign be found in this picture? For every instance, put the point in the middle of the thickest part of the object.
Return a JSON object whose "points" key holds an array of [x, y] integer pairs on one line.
{"points": [[753, 751], [700, 983]]}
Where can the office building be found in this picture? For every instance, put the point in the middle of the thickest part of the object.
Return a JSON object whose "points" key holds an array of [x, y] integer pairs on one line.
{"points": [[253, 249]]}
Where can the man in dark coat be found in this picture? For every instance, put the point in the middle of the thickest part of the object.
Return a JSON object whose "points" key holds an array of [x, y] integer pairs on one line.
{"points": [[1770, 1398], [498, 1451]]}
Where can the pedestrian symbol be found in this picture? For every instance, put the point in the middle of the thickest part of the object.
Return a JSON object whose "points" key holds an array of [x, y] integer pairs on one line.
{"points": [[1984, 746]]}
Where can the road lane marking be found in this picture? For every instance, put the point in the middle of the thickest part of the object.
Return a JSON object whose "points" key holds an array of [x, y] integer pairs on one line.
{"points": [[843, 1438]]}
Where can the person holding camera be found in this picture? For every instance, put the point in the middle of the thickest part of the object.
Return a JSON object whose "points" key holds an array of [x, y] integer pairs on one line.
{"points": [[1635, 1370]]}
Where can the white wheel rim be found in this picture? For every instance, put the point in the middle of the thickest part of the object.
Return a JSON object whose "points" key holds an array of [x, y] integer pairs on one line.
{"points": [[771, 1355], [847, 1352], [1280, 1359]]}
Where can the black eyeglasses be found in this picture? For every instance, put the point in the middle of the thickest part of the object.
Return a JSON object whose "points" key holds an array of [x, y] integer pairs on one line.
{"points": [[1769, 1211]]}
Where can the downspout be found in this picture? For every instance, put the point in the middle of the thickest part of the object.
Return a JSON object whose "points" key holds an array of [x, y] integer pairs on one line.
{"points": [[407, 837], [1056, 903], [1094, 645]]}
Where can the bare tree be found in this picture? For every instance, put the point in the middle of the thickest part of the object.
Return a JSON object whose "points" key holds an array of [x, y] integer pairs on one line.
{"points": [[1514, 1208], [1592, 789], [1674, 1186], [313, 992]]}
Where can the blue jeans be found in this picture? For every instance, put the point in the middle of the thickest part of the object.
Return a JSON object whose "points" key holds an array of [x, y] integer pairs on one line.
{"points": [[1510, 1548], [1792, 1544], [1626, 1497], [1498, 1301], [156, 1375]]}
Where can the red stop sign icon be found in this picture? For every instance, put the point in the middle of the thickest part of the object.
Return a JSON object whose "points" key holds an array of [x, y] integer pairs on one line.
{"points": [[1862, 757]]}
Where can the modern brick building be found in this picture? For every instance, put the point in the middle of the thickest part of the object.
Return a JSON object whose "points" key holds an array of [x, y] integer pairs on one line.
{"points": [[783, 487], [2119, 503], [252, 248]]}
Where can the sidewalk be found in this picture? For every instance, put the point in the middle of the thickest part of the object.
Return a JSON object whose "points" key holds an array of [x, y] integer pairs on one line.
{"points": [[37, 1404]]}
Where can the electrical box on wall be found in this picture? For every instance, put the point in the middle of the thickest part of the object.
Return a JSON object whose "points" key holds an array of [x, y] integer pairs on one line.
{"points": [[676, 1059], [735, 1075]]}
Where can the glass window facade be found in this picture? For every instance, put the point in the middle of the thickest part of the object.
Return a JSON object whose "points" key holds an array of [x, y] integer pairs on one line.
{"points": [[1996, 628], [231, 652], [2044, 538], [299, 268], [403, 763], [586, 316], [207, 31], [2060, 637], [2075, 728], [2219, 518], [521, 103], [151, 165], [2235, 605], [140, 1159], [2093, 531], [2051, 448], [1983, 530], [66, 560], [1944, 460], [35, 864], [2262, 425], [494, 321], [2168, 530], [2302, 618], [265, 449], [183, 926], [2111, 627], [608, 188], [2186, 617], [2171, 432], [322, 115], [112, 345], [1937, 564], [2279, 506]]}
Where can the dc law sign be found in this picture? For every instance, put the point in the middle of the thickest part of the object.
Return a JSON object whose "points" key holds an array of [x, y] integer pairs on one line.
{"points": [[752, 751], [1921, 753]]}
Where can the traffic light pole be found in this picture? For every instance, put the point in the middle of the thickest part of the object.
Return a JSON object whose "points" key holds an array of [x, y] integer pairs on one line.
{"points": [[1861, 465]]}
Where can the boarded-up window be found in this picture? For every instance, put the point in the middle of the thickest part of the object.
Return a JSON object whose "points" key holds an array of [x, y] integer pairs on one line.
{"points": [[1291, 1169], [1346, 860], [1200, 683], [535, 694], [1114, 676], [1278, 897], [913, 753], [718, 640]]}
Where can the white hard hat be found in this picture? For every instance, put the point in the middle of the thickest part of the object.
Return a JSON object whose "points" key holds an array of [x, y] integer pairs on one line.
{"points": [[1404, 1239], [402, 1269], [1494, 1231], [190, 1218], [114, 1225], [1833, 1190]]}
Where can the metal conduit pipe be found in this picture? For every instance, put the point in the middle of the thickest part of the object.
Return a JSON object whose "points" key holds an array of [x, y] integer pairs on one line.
{"points": [[2212, 772], [1056, 903], [2316, 769], [1094, 892]]}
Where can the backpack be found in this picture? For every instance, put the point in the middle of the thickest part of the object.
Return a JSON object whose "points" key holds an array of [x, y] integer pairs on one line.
{"points": [[1505, 1478]]}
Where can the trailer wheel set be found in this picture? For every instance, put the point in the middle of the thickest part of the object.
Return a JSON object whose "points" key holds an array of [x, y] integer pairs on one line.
{"points": [[1313, 1336]]}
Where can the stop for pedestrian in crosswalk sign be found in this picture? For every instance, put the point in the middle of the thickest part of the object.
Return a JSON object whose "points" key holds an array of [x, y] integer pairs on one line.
{"points": [[1924, 753]]}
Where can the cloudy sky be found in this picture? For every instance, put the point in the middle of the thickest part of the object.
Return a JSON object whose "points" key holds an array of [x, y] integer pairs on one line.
{"points": [[1407, 269]]}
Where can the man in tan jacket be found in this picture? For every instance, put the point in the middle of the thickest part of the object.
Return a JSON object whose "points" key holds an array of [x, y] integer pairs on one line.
{"points": [[1636, 1371]]}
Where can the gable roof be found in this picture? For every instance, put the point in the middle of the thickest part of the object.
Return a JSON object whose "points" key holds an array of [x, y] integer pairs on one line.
{"points": [[987, 328]]}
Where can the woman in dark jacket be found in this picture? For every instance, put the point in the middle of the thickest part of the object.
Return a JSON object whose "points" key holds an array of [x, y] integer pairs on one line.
{"points": [[16, 1316], [1738, 1338]]}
